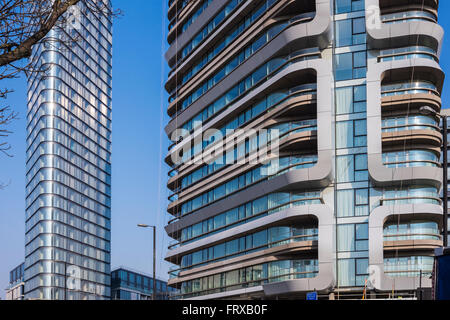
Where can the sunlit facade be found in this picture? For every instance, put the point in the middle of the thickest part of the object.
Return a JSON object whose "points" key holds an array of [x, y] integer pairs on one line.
{"points": [[68, 191], [352, 203]]}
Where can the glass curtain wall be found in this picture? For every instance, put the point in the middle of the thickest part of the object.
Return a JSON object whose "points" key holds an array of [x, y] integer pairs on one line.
{"points": [[352, 181], [68, 202]]}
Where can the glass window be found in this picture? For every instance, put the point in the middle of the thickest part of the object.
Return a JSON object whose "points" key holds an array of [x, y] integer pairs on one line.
{"points": [[353, 237], [346, 6], [260, 239], [345, 203], [345, 168], [343, 33], [351, 99], [359, 59], [352, 272], [359, 25], [346, 272], [350, 32], [344, 134], [346, 237], [351, 65], [219, 251], [232, 247], [344, 64], [351, 133], [351, 168], [361, 202]]}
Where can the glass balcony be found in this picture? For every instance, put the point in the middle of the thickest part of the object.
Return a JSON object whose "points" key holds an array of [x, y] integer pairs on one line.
{"points": [[408, 16], [403, 88], [413, 52]]}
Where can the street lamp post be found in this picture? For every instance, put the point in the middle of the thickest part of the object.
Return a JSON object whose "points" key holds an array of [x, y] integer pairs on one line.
{"points": [[154, 256], [426, 110]]}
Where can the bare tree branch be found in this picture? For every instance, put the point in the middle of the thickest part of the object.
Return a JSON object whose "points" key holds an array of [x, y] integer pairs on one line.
{"points": [[6, 116], [26, 23]]}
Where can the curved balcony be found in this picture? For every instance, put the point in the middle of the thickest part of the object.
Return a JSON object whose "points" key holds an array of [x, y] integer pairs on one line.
{"points": [[188, 230], [253, 79], [414, 235], [234, 29], [273, 240], [413, 25], [275, 104], [257, 115], [251, 174], [260, 210], [289, 37], [410, 195], [175, 7], [398, 95], [240, 215], [429, 139], [180, 23], [253, 276], [322, 281], [411, 158], [401, 122], [408, 266], [295, 138], [217, 20], [203, 71], [398, 233], [408, 16], [409, 132], [199, 67], [406, 53]]}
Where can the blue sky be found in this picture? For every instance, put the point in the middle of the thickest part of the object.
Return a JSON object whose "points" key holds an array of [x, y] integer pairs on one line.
{"points": [[139, 176]]}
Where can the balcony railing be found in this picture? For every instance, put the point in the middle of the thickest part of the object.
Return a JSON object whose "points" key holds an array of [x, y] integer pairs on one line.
{"points": [[414, 52], [408, 16]]}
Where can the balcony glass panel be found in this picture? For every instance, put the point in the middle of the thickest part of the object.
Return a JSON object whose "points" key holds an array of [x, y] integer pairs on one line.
{"points": [[408, 266]]}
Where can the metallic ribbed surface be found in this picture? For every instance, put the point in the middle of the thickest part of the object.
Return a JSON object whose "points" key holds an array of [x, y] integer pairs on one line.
{"points": [[68, 203]]}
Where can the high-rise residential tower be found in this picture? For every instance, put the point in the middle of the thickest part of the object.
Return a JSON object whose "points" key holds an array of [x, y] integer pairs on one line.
{"points": [[348, 202], [68, 192]]}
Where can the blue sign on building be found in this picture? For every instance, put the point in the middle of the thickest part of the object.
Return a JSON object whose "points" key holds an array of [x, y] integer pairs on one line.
{"points": [[311, 296]]}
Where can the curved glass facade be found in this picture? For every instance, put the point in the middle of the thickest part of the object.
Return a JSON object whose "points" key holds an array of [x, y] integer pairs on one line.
{"points": [[412, 122], [260, 75], [251, 276], [413, 52], [327, 111], [253, 242], [409, 87], [413, 230], [408, 266], [68, 203], [410, 195], [408, 16], [245, 213], [411, 158]]}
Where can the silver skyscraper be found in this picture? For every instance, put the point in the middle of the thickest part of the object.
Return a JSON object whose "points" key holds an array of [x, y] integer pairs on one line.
{"points": [[68, 191]]}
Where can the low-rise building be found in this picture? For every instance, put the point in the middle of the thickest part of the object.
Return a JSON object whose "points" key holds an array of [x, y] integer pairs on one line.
{"points": [[128, 284], [16, 284]]}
